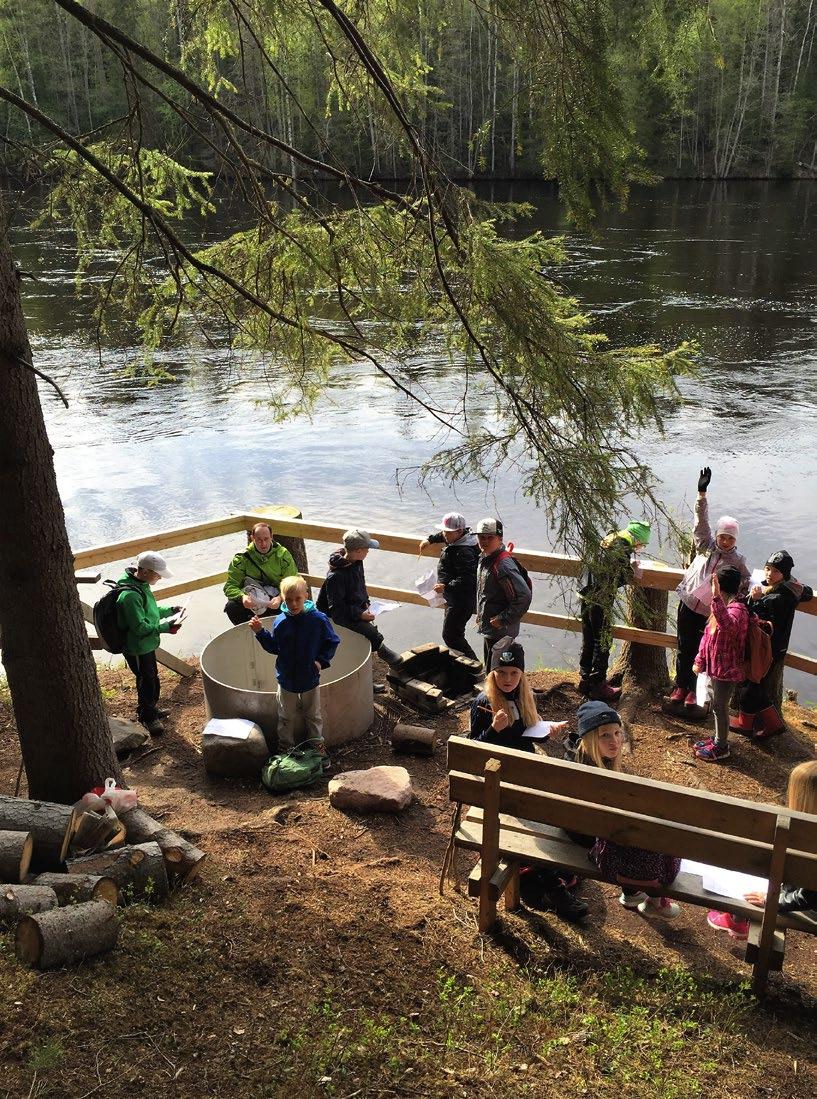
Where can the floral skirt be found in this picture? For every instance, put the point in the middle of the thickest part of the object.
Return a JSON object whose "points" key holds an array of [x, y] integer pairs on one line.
{"points": [[615, 861]]}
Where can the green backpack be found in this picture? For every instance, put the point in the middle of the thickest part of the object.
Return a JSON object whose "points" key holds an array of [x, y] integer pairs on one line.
{"points": [[300, 766]]}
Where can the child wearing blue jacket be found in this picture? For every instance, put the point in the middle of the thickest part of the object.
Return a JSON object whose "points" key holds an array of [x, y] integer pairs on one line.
{"points": [[303, 641]]}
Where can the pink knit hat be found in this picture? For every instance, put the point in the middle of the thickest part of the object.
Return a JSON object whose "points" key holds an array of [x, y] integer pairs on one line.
{"points": [[727, 525]]}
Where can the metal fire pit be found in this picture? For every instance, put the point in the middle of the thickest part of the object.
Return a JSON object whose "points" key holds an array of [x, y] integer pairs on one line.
{"points": [[239, 681]]}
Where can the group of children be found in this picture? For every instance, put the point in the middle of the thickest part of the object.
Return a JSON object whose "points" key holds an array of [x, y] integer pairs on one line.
{"points": [[506, 709], [715, 605]]}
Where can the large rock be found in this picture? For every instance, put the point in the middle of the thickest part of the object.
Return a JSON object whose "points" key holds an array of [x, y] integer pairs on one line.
{"points": [[233, 748], [376, 790], [127, 735]]}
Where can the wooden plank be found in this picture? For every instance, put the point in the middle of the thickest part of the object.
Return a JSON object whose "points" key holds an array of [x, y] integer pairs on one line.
{"points": [[778, 946], [513, 898], [760, 972], [499, 879], [159, 540], [169, 660], [564, 853], [87, 577], [167, 591], [490, 843], [646, 797], [651, 833]]}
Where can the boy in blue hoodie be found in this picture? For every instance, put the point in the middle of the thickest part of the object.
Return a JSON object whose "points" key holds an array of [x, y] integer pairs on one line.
{"points": [[304, 643]]}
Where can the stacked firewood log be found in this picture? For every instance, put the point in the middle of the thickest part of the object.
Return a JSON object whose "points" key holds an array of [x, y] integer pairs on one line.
{"points": [[62, 904]]}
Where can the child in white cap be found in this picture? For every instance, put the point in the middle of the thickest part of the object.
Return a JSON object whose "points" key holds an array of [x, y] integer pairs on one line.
{"points": [[456, 578]]}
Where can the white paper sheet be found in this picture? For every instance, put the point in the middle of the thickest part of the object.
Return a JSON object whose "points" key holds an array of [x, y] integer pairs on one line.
{"points": [[540, 731], [758, 577], [425, 586], [380, 606], [725, 883], [236, 728], [703, 689], [178, 617]]}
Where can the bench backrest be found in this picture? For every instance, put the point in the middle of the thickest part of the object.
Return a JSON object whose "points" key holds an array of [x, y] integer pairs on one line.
{"points": [[660, 816]]}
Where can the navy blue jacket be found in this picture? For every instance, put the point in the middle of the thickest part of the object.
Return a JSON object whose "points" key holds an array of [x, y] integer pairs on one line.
{"points": [[343, 595], [298, 640]]}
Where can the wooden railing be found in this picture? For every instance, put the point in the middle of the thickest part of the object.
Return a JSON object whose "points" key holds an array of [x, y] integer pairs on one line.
{"points": [[283, 523]]}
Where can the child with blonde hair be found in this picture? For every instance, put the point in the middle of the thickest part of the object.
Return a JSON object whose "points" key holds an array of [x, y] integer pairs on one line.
{"points": [[601, 740], [303, 641]]}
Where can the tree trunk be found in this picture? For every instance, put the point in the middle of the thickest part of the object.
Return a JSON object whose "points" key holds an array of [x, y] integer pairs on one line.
{"points": [[183, 861], [64, 735], [66, 935], [49, 825], [15, 855], [19, 900], [642, 669], [72, 888], [139, 869]]}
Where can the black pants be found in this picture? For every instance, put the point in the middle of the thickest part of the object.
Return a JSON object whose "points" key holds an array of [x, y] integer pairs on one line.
{"points": [[368, 630], [146, 670], [595, 654], [237, 612], [690, 630], [455, 619]]}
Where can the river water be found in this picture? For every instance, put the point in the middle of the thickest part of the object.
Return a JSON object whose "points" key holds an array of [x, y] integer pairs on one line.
{"points": [[729, 265]]}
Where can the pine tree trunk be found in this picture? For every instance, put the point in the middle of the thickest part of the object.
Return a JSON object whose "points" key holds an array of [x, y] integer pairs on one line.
{"points": [[642, 669], [64, 735]]}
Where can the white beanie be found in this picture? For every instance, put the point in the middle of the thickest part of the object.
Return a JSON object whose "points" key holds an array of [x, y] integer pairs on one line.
{"points": [[727, 525]]}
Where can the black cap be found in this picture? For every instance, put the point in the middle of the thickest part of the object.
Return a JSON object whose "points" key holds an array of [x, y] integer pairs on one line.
{"points": [[593, 714], [508, 656], [782, 561]]}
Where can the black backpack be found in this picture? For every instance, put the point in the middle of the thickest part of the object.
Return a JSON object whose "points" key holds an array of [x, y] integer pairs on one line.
{"points": [[106, 623]]}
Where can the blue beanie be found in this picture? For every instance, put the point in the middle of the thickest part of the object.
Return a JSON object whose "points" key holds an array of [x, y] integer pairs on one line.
{"points": [[593, 714]]}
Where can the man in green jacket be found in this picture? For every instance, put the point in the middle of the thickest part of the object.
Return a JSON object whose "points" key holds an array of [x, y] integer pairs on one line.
{"points": [[143, 621], [254, 577]]}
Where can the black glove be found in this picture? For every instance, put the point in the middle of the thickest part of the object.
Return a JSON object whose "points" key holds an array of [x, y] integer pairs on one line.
{"points": [[704, 479]]}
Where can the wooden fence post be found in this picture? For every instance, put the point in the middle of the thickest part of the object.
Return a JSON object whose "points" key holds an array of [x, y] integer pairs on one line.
{"points": [[489, 855], [760, 971]]}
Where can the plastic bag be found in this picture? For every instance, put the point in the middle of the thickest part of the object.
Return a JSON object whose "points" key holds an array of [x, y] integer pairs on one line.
{"points": [[425, 586], [703, 690], [120, 800]]}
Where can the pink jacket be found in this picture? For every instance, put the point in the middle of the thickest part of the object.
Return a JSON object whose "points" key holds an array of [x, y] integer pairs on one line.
{"points": [[723, 646]]}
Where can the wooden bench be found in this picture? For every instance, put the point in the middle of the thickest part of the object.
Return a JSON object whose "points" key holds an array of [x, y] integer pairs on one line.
{"points": [[520, 802]]}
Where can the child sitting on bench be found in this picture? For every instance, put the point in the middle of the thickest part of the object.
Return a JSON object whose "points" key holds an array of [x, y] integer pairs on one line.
{"points": [[601, 737], [500, 715]]}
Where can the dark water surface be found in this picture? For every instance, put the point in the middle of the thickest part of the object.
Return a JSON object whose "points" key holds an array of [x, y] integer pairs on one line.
{"points": [[729, 265]]}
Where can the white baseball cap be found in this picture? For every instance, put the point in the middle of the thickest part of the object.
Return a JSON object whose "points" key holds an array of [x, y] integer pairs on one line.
{"points": [[453, 521], [155, 562], [489, 525]]}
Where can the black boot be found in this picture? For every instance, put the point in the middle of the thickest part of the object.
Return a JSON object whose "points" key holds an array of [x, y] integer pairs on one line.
{"points": [[389, 655], [565, 904]]}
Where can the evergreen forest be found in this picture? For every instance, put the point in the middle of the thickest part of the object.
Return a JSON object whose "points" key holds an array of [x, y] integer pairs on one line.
{"points": [[724, 88]]}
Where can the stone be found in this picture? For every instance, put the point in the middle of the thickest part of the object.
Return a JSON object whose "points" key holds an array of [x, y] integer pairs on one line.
{"points": [[233, 756], [128, 736], [375, 790]]}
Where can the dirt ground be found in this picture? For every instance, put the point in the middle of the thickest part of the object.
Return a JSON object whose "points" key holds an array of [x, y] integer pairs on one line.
{"points": [[316, 955]]}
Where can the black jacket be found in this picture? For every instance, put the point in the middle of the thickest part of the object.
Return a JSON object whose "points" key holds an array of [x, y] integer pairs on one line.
{"points": [[458, 570], [343, 596], [778, 606], [481, 729], [796, 899]]}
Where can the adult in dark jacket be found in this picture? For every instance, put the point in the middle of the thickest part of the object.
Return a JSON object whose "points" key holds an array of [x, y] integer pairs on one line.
{"points": [[456, 578], [503, 595], [500, 715], [610, 571], [343, 596], [776, 602]]}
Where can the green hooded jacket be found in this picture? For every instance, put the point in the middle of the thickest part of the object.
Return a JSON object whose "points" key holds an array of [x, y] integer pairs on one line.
{"points": [[269, 568], [139, 615]]}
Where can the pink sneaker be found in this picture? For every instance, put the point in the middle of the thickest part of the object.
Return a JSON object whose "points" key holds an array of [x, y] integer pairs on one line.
{"points": [[725, 921], [691, 699], [678, 695]]}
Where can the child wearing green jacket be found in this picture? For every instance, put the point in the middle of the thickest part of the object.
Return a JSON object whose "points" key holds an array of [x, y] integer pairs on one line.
{"points": [[142, 620]]}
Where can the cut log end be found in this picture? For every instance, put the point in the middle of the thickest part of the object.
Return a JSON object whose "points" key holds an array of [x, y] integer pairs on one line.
{"points": [[29, 941], [16, 849]]}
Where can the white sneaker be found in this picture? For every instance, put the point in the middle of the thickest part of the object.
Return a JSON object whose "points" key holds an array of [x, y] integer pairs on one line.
{"points": [[660, 906], [632, 900]]}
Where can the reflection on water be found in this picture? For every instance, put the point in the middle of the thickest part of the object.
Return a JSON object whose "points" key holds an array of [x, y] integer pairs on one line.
{"points": [[728, 265]]}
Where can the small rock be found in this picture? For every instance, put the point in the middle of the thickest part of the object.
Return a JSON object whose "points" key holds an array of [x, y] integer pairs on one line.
{"points": [[128, 736], [375, 790]]}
